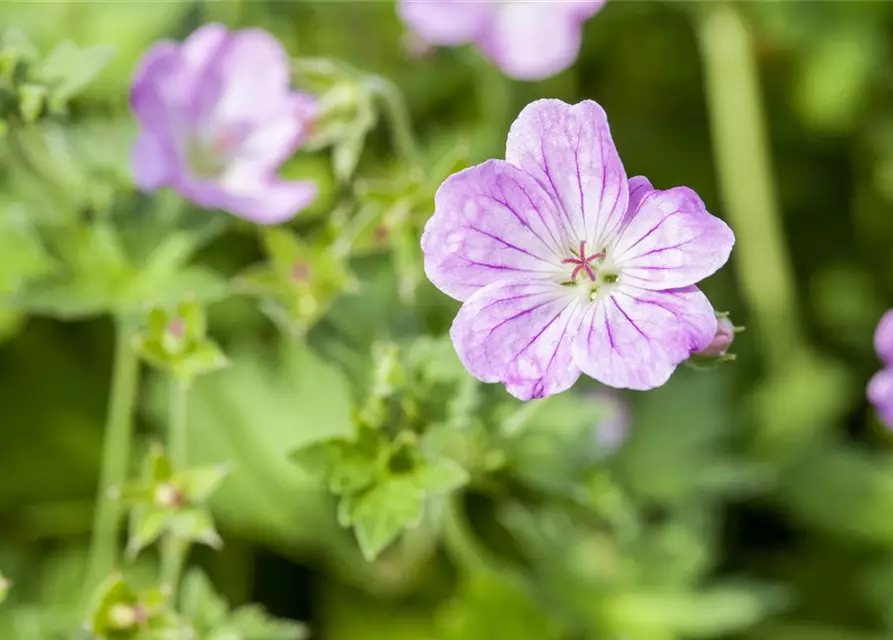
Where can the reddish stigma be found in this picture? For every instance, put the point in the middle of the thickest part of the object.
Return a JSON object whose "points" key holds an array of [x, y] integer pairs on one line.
{"points": [[583, 262]]}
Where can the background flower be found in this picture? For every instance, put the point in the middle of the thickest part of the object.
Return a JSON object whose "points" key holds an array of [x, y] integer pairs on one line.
{"points": [[217, 119], [880, 389], [528, 40]]}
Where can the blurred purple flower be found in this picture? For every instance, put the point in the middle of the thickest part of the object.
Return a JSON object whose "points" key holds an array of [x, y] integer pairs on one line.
{"points": [[565, 267], [217, 119], [880, 389], [528, 40], [610, 433]]}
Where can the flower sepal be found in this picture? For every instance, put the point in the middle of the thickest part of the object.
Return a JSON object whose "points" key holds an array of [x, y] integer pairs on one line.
{"points": [[167, 500], [298, 283], [177, 342]]}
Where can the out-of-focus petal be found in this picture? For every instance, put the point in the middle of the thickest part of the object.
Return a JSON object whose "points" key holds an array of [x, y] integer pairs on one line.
{"points": [[491, 222], [635, 338], [152, 163], [883, 338], [157, 88], [880, 394], [519, 334], [671, 241], [533, 40], [272, 142], [447, 22], [570, 152], [246, 83]]}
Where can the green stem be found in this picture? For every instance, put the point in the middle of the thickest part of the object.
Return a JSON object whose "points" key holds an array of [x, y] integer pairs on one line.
{"points": [[745, 179], [398, 114], [173, 559], [176, 435], [175, 549], [115, 457]]}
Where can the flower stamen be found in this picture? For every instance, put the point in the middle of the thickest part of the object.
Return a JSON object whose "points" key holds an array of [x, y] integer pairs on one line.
{"points": [[583, 262]]}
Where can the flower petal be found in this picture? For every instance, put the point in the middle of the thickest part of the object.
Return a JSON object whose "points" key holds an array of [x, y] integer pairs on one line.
{"points": [[519, 334], [639, 187], [246, 82], [272, 142], [153, 166], [491, 222], [880, 394], [635, 338], [883, 338], [447, 22], [671, 241], [534, 40], [157, 85], [569, 150], [254, 196]]}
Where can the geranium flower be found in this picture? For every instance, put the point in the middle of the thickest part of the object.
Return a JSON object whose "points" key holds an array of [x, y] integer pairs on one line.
{"points": [[528, 40], [217, 119], [880, 389], [565, 267]]}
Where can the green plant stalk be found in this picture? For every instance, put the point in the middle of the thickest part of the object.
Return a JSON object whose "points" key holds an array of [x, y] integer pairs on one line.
{"points": [[104, 548], [176, 435], [395, 108], [762, 262], [173, 549]]}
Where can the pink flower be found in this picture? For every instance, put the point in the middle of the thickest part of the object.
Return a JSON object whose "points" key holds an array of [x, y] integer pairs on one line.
{"points": [[880, 389], [527, 39], [565, 267], [217, 119]]}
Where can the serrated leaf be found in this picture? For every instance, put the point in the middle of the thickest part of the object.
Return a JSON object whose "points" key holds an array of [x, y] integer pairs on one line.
{"points": [[439, 476], [383, 512]]}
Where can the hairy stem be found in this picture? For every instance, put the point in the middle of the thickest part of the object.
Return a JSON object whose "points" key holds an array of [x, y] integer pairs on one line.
{"points": [[174, 549]]}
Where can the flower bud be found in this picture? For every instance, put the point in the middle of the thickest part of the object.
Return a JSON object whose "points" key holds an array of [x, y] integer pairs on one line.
{"points": [[719, 346]]}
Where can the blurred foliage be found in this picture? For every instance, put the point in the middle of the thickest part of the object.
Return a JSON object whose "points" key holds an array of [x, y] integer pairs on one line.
{"points": [[754, 501]]}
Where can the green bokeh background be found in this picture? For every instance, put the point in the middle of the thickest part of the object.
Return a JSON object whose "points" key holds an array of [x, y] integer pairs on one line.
{"points": [[770, 472]]}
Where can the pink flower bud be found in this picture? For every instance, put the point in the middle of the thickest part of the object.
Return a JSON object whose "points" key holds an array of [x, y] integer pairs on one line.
{"points": [[725, 335]]}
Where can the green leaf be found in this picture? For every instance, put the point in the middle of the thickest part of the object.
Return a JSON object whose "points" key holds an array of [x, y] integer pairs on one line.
{"points": [[439, 476], [31, 101], [69, 68], [195, 525], [200, 484], [200, 603], [384, 511], [253, 623], [204, 359], [344, 465], [146, 526]]}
